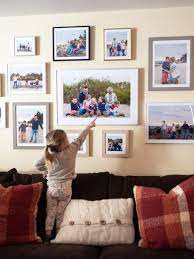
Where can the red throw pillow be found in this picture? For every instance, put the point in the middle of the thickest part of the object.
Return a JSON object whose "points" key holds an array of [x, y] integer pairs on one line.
{"points": [[166, 220], [18, 208]]}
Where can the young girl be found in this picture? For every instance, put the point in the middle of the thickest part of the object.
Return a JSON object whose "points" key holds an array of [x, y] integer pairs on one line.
{"points": [[59, 164]]}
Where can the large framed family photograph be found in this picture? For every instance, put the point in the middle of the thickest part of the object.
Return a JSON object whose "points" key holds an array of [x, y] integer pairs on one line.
{"points": [[26, 79], [30, 125], [84, 149], [71, 43], [2, 115], [109, 94], [117, 44], [170, 123], [115, 143], [170, 63]]}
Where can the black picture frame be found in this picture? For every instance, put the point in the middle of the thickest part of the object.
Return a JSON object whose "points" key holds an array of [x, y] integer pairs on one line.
{"points": [[71, 58]]}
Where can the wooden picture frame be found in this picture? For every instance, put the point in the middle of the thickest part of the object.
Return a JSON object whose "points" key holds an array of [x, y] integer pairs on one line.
{"points": [[24, 136], [85, 148], [115, 143]]}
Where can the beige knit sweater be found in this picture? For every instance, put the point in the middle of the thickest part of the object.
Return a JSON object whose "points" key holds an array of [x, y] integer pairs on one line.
{"points": [[63, 168]]}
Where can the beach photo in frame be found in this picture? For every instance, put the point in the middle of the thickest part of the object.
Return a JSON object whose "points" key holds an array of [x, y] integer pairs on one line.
{"points": [[117, 44], [84, 151], [71, 43], [109, 94], [25, 46], [30, 125], [170, 63], [26, 79], [2, 115], [115, 143], [170, 123]]}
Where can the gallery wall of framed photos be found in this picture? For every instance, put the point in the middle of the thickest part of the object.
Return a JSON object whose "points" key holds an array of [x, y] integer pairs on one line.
{"points": [[136, 61]]}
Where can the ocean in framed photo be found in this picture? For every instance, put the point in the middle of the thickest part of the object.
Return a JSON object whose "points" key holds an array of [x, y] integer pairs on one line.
{"points": [[170, 123], [109, 94]]}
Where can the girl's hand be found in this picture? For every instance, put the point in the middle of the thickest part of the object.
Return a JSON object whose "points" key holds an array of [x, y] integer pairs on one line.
{"points": [[45, 174], [92, 123]]}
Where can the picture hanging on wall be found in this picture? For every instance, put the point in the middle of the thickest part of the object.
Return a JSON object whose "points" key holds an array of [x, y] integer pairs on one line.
{"points": [[115, 143], [170, 123], [71, 43], [170, 63], [117, 44], [2, 115], [26, 79], [84, 149], [109, 94], [30, 125], [25, 46]]}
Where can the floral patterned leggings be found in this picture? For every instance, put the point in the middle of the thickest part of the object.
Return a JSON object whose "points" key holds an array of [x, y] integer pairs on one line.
{"points": [[58, 197]]}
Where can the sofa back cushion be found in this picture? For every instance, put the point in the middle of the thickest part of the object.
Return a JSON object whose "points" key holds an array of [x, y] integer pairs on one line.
{"points": [[166, 220], [6, 178], [18, 209]]}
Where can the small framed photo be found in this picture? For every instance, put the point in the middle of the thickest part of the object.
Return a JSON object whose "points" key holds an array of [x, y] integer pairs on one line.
{"points": [[115, 143], [30, 125], [71, 43], [170, 63], [25, 46], [117, 44], [170, 123], [84, 149], [26, 79], [2, 115]]}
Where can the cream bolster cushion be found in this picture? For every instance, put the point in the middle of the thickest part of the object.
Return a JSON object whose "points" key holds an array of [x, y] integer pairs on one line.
{"points": [[99, 223]]}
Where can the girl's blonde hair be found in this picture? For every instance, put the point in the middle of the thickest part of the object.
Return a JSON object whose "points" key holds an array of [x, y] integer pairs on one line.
{"points": [[56, 142]]}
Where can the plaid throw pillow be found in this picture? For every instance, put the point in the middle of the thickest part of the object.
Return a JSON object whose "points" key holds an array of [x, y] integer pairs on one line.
{"points": [[166, 220], [18, 208]]}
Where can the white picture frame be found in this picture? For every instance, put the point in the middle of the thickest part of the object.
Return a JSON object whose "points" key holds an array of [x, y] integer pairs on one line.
{"points": [[25, 46], [26, 79], [115, 143], [117, 44], [125, 78], [164, 123]]}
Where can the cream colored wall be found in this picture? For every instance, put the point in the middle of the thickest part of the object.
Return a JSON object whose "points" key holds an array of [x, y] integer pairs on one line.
{"points": [[149, 159]]}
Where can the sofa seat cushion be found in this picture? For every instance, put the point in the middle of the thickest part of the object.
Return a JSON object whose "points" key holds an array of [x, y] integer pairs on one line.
{"points": [[132, 251], [50, 251]]}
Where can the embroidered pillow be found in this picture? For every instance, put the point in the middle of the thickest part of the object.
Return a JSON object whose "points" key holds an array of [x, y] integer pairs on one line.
{"points": [[18, 208], [100, 223], [166, 220]]}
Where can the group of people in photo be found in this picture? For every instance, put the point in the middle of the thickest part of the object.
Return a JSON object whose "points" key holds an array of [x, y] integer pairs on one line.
{"points": [[19, 82], [86, 105], [117, 48], [24, 47], [170, 73], [34, 124], [174, 131], [115, 145]]}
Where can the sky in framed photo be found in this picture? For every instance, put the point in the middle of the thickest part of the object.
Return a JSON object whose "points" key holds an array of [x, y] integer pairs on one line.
{"points": [[122, 81], [26, 113], [26, 78], [115, 143], [25, 45], [71, 43], [171, 63], [173, 122], [117, 43]]}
